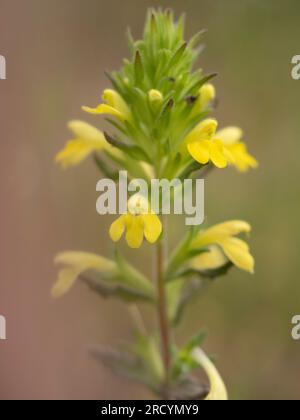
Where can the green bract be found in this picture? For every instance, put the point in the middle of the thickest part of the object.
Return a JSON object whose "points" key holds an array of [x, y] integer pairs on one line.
{"points": [[161, 63]]}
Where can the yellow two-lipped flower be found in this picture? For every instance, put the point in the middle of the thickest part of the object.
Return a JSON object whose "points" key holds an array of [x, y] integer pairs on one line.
{"points": [[87, 139], [139, 222], [223, 246], [77, 263], [113, 105], [238, 153], [204, 146]]}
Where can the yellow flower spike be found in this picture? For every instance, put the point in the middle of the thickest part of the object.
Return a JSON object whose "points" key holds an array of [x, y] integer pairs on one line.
{"points": [[77, 263], [87, 140], [240, 158], [203, 145], [218, 391], [114, 105], [138, 223], [206, 94], [223, 246]]}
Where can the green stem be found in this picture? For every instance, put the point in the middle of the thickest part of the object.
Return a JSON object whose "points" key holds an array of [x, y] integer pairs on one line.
{"points": [[163, 315]]}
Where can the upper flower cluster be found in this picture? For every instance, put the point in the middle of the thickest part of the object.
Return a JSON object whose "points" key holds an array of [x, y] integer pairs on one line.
{"points": [[158, 109]]}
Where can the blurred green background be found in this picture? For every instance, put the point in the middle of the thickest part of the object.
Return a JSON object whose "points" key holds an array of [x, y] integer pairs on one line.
{"points": [[56, 54]]}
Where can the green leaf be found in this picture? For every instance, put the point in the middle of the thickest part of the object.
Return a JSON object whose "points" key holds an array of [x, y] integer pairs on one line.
{"points": [[111, 289], [177, 56], [134, 152], [133, 278], [138, 68], [213, 274], [180, 254], [199, 82], [196, 341], [130, 40], [189, 388], [190, 291], [195, 40], [124, 364], [195, 252], [192, 167], [105, 168], [147, 350]]}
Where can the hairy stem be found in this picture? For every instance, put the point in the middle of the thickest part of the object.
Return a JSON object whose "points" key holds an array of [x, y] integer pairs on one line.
{"points": [[162, 314]]}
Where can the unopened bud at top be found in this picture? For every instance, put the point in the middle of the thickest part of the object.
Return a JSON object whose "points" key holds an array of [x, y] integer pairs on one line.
{"points": [[207, 94]]}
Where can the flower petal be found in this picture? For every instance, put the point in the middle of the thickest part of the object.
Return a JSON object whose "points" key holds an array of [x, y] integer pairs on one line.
{"points": [[210, 260], [85, 261], [85, 131], [135, 231], [117, 228], [152, 227], [74, 152], [203, 131], [66, 279], [199, 150], [104, 109], [218, 390], [217, 155], [115, 100], [237, 251], [218, 233], [78, 263], [242, 159], [230, 135]]}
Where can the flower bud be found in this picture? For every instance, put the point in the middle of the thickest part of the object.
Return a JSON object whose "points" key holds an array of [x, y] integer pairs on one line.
{"points": [[207, 94], [115, 100], [156, 99]]}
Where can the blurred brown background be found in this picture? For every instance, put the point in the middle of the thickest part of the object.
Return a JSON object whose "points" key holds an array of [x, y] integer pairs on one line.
{"points": [[56, 53]]}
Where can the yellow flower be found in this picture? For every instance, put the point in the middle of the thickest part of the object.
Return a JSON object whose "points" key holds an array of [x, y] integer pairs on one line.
{"points": [[203, 145], [139, 222], [77, 263], [87, 140], [223, 247], [114, 105], [218, 391], [240, 158]]}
